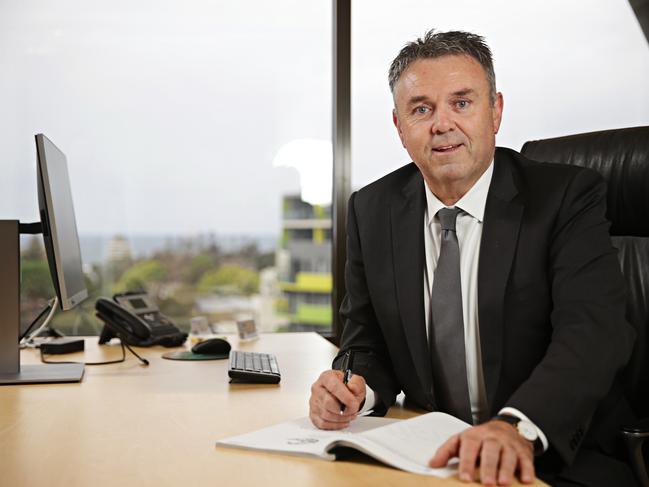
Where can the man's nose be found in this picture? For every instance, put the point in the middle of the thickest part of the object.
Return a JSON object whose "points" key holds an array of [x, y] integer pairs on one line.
{"points": [[442, 121]]}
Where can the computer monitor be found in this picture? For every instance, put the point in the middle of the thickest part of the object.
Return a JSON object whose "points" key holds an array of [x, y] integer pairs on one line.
{"points": [[58, 225]]}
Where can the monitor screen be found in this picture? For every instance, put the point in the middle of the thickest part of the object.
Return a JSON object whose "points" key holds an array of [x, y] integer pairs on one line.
{"points": [[59, 224]]}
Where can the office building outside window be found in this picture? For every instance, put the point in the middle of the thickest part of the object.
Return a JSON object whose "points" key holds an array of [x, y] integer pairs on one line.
{"points": [[305, 273]]}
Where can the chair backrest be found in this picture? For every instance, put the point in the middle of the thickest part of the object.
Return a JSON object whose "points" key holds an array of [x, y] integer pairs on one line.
{"points": [[621, 156]]}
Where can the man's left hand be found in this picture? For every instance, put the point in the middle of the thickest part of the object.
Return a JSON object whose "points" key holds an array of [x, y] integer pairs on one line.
{"points": [[494, 449]]}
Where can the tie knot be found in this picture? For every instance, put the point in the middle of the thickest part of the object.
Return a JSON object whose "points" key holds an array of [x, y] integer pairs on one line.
{"points": [[447, 217]]}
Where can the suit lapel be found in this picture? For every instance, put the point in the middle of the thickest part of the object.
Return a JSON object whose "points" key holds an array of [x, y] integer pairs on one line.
{"points": [[503, 213], [407, 227]]}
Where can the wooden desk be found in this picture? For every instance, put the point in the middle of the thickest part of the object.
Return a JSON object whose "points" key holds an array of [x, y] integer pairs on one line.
{"points": [[129, 425]]}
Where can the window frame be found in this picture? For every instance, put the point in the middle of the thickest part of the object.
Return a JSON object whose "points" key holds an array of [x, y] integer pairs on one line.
{"points": [[341, 135]]}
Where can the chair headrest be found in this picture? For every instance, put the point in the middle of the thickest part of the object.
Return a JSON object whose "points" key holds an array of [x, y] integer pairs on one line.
{"points": [[621, 156]]}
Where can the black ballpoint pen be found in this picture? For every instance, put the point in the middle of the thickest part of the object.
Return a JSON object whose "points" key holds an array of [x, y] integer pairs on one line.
{"points": [[347, 371]]}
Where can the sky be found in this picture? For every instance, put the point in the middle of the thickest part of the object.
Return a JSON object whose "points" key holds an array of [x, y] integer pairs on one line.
{"points": [[172, 113]]}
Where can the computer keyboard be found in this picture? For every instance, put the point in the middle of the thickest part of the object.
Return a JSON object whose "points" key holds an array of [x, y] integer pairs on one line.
{"points": [[253, 367]]}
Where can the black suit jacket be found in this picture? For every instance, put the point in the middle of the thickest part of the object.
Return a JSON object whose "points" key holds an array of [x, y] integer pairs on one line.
{"points": [[551, 298]]}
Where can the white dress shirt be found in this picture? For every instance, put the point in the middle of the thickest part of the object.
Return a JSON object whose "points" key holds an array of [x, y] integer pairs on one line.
{"points": [[469, 234], [468, 228]]}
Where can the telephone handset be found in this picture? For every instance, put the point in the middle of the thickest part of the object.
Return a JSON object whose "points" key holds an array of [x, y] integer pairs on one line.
{"points": [[134, 318]]}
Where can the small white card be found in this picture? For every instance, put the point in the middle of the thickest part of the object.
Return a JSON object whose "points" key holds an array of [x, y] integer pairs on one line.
{"points": [[247, 330]]}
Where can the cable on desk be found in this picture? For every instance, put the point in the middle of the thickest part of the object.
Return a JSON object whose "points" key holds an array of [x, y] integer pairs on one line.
{"points": [[141, 359], [27, 337]]}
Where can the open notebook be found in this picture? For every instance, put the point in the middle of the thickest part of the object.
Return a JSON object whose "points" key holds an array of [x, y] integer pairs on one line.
{"points": [[406, 444]]}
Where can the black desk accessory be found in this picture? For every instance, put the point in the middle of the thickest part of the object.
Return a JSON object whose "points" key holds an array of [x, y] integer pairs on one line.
{"points": [[253, 367], [210, 349], [58, 346], [135, 318]]}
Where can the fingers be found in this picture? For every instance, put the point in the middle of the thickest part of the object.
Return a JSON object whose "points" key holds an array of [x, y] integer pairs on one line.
{"points": [[328, 407], [508, 462], [490, 458], [510, 458], [496, 450], [327, 395], [526, 463], [319, 421], [357, 387], [469, 451], [332, 381], [444, 453]]}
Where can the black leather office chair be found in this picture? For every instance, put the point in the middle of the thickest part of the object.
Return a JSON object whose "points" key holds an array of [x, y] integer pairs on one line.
{"points": [[622, 157]]}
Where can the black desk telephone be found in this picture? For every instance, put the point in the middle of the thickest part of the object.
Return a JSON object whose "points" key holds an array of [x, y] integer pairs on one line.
{"points": [[134, 318]]}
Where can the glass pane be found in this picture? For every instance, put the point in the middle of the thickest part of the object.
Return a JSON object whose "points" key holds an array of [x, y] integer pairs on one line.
{"points": [[198, 144], [563, 68]]}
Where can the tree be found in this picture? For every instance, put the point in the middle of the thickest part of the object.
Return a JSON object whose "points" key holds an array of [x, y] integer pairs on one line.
{"points": [[34, 249], [198, 266], [143, 275], [36, 281], [230, 278], [265, 260]]}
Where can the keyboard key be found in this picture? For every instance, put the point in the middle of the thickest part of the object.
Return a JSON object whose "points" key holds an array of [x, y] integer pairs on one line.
{"points": [[265, 365], [273, 366]]}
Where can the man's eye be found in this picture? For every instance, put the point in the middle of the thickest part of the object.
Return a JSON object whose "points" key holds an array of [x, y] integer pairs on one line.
{"points": [[421, 110], [462, 104]]}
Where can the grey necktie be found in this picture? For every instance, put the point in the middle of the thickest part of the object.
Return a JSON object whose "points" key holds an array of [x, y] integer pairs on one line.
{"points": [[446, 332]]}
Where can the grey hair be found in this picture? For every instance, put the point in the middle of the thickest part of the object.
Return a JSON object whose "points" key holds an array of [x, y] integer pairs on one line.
{"points": [[438, 44]]}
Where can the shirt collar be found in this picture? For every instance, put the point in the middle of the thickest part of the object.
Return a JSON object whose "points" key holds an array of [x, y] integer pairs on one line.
{"points": [[473, 202]]}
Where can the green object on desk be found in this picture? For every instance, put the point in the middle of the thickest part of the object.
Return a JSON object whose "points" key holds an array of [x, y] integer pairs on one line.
{"points": [[186, 355]]}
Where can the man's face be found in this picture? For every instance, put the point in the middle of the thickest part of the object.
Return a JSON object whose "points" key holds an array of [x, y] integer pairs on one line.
{"points": [[446, 120]]}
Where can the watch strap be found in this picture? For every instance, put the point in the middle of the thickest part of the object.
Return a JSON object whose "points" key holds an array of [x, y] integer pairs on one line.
{"points": [[508, 418], [537, 444]]}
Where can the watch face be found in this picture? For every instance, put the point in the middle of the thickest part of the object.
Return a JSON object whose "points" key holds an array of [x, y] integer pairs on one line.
{"points": [[527, 430]]}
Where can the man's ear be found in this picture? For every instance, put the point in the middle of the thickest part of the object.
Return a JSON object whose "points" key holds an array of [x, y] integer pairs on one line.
{"points": [[497, 111], [395, 121]]}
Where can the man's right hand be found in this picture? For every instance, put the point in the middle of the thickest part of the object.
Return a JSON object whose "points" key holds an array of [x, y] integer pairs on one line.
{"points": [[327, 395]]}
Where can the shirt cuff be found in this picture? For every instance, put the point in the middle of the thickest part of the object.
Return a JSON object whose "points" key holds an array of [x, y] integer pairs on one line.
{"points": [[370, 400], [522, 417]]}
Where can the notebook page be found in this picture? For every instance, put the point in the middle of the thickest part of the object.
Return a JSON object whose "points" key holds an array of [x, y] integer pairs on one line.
{"points": [[301, 437], [410, 444]]}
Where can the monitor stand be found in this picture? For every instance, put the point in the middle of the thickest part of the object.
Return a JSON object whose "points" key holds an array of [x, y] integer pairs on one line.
{"points": [[11, 372], [43, 374]]}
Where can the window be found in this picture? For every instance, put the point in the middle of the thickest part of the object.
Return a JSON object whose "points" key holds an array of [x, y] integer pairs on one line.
{"points": [[194, 132], [563, 68]]}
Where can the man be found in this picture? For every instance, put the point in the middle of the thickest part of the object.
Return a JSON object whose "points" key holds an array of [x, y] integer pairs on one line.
{"points": [[483, 284]]}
